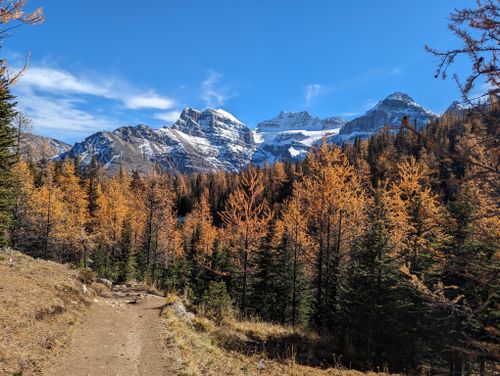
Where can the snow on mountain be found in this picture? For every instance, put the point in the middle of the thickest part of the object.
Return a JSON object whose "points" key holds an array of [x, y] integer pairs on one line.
{"points": [[198, 141], [214, 139], [290, 135], [389, 111], [456, 108]]}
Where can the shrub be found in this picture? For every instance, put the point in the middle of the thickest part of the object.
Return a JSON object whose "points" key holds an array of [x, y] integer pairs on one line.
{"points": [[86, 276], [217, 302]]}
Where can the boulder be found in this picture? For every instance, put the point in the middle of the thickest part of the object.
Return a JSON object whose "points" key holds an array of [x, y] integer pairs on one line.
{"points": [[105, 282]]}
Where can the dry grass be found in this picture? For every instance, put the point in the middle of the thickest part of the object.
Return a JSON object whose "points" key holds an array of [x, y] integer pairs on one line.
{"points": [[237, 348], [40, 303]]}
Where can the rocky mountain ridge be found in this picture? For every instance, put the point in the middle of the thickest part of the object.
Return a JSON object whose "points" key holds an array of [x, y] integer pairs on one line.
{"points": [[213, 139]]}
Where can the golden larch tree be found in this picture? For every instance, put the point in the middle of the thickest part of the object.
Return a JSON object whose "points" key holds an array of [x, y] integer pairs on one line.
{"points": [[22, 229], [334, 200], [112, 210], [246, 219], [414, 212], [292, 227], [49, 213]]}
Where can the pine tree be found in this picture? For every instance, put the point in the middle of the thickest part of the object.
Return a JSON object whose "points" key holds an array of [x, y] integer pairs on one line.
{"points": [[292, 238], [10, 13], [126, 263], [160, 238], [373, 302], [75, 240], [112, 210], [246, 218], [334, 199], [92, 186], [199, 235], [48, 211], [22, 232], [469, 276], [7, 160], [415, 215]]}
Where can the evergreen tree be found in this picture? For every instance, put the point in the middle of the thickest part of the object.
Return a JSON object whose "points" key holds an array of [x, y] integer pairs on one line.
{"points": [[22, 232], [373, 301], [246, 217], [7, 160]]}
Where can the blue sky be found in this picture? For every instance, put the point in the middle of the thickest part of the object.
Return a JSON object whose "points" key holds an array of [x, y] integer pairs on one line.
{"points": [[102, 64]]}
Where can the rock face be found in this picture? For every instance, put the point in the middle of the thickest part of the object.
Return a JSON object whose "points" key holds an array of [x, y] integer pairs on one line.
{"points": [[35, 148], [198, 141], [290, 135], [202, 141], [456, 109], [389, 111]]}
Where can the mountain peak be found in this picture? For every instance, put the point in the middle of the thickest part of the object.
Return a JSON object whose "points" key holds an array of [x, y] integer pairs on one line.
{"points": [[226, 115], [456, 108], [399, 96], [200, 123], [300, 120], [290, 135], [293, 114], [389, 111]]}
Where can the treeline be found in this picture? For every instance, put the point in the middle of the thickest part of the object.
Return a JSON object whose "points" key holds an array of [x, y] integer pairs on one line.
{"points": [[389, 245]]}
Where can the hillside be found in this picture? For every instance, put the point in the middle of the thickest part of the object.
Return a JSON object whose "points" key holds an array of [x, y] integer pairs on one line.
{"points": [[41, 304], [35, 147], [206, 347], [52, 325]]}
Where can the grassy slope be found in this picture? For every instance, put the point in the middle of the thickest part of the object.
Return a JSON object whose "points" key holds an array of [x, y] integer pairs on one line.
{"points": [[236, 348], [40, 304]]}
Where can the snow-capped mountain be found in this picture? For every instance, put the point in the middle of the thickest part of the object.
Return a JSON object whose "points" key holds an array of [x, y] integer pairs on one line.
{"points": [[389, 111], [456, 108], [198, 141], [290, 135], [215, 139]]}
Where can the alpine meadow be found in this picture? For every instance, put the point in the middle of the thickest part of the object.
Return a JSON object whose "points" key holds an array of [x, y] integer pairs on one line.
{"points": [[362, 241]]}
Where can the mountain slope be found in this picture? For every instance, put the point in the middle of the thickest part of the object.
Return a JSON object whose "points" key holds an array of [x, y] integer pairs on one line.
{"points": [[389, 111], [198, 141], [215, 139], [34, 147], [290, 135], [456, 108], [41, 301]]}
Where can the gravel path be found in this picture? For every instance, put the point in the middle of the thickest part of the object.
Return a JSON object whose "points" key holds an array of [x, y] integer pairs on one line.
{"points": [[120, 336]]}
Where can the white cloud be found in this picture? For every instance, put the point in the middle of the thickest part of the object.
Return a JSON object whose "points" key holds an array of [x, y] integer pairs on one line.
{"points": [[396, 71], [213, 92], [59, 102], [57, 80], [312, 91], [150, 100], [54, 80], [169, 116], [60, 117]]}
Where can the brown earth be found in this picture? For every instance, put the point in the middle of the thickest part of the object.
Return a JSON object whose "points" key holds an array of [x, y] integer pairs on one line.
{"points": [[50, 324], [41, 302], [123, 334]]}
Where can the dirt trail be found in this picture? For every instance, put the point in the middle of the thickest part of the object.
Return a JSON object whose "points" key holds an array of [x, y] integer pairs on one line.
{"points": [[118, 337]]}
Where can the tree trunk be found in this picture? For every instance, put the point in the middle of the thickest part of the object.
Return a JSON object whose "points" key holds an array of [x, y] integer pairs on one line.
{"points": [[244, 295], [47, 226], [482, 367], [294, 294]]}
